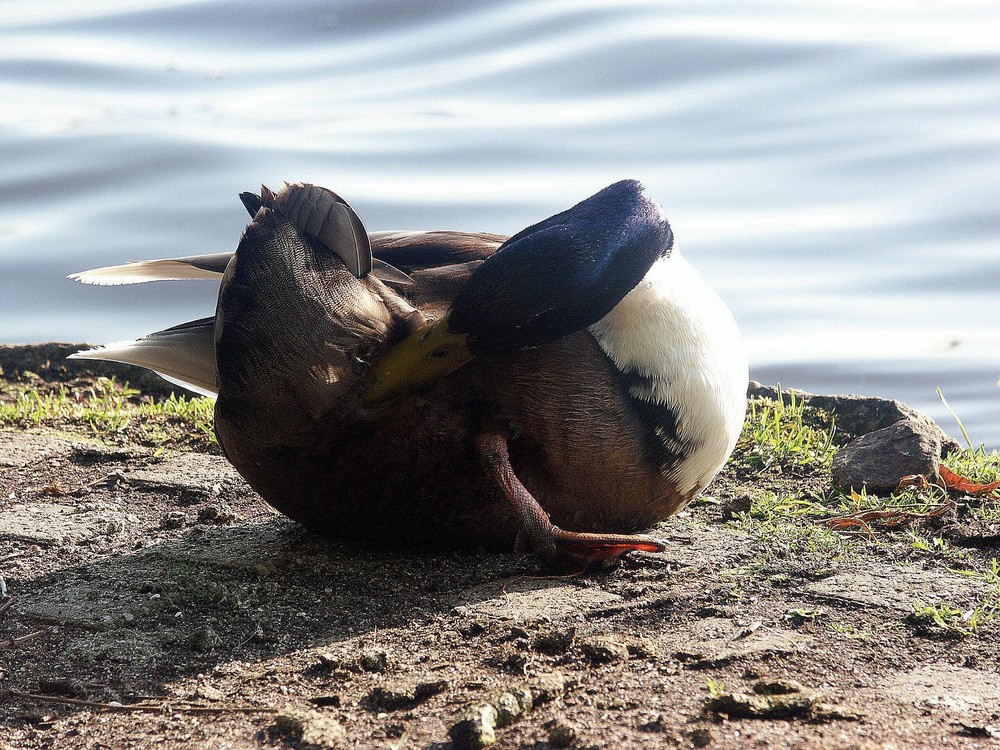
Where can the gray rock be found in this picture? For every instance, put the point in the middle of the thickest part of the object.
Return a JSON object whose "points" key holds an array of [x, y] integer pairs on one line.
{"points": [[477, 725], [548, 687], [603, 649], [312, 730], [857, 415], [880, 459], [475, 729], [374, 660], [561, 733]]}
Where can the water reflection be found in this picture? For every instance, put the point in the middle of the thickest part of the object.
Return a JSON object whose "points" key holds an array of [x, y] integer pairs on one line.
{"points": [[830, 166]]}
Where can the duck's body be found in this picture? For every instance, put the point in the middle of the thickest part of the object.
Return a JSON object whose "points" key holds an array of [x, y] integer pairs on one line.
{"points": [[610, 425]]}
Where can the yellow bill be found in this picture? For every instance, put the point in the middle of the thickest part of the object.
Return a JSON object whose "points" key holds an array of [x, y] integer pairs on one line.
{"points": [[417, 362]]}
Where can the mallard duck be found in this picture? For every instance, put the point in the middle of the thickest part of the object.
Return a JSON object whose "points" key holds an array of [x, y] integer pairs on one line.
{"points": [[562, 389]]}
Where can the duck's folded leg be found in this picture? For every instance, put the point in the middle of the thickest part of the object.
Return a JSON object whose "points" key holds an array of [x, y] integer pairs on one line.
{"points": [[545, 538]]}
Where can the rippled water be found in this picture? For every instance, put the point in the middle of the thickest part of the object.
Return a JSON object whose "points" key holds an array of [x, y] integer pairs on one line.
{"points": [[832, 167]]}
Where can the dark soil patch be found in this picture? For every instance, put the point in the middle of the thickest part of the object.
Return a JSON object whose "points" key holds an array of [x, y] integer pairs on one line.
{"points": [[143, 577]]}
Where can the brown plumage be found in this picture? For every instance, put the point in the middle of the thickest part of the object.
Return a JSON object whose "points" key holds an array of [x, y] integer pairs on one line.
{"points": [[297, 331], [519, 442]]}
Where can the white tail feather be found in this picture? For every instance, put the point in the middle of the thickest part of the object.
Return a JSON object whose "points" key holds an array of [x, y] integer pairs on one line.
{"points": [[164, 269], [184, 355]]}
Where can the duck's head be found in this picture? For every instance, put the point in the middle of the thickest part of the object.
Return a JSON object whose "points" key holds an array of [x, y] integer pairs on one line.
{"points": [[548, 280], [299, 314]]}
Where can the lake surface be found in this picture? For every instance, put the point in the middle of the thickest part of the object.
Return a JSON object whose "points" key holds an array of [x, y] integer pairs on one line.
{"points": [[832, 167]]}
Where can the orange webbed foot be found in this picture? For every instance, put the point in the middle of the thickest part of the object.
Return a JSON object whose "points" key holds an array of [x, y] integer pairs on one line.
{"points": [[542, 536]]}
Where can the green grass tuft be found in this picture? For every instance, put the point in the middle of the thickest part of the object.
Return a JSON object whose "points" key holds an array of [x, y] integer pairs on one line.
{"points": [[785, 435], [111, 411]]}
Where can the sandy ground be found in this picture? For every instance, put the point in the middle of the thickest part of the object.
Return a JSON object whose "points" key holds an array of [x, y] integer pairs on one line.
{"points": [[154, 601]]}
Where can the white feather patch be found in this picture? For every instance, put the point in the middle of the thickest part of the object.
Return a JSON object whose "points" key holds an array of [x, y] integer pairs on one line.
{"points": [[185, 358], [673, 329], [167, 269]]}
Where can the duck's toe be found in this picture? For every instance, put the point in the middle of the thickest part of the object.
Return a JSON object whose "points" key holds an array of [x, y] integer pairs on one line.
{"points": [[541, 535]]}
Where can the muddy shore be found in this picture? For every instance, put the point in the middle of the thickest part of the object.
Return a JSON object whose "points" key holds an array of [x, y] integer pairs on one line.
{"points": [[152, 600]]}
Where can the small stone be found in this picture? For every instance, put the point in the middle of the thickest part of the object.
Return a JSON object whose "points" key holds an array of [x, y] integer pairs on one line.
{"points": [[204, 639], [476, 728], [175, 519], [701, 737], [327, 661], [858, 415], [374, 661], [561, 733], [512, 705], [603, 649], [477, 725], [769, 700], [548, 687], [209, 693], [879, 460], [555, 642], [311, 730]]}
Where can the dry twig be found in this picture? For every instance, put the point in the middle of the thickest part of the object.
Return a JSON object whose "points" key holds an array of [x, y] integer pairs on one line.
{"points": [[133, 708], [22, 638]]}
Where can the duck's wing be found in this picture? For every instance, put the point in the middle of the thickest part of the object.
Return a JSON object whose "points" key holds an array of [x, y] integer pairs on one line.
{"points": [[183, 354], [414, 251], [438, 263], [554, 278], [397, 256]]}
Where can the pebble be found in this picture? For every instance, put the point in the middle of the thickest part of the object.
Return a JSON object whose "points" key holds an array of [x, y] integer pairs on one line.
{"points": [[603, 649], [880, 459], [311, 730], [209, 693], [477, 725], [561, 733], [204, 639], [374, 661], [175, 519], [476, 729], [548, 687]]}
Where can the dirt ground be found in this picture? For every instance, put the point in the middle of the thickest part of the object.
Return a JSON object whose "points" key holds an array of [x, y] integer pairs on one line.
{"points": [[154, 601]]}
